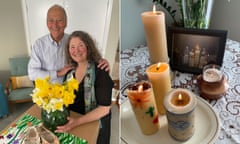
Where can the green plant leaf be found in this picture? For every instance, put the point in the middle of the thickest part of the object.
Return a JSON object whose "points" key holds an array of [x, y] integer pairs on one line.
{"points": [[173, 12]]}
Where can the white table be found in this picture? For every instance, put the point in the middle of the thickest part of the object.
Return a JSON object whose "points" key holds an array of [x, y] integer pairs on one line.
{"points": [[135, 60]]}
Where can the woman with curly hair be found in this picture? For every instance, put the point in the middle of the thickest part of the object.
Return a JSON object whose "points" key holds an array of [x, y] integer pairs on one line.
{"points": [[93, 98]]}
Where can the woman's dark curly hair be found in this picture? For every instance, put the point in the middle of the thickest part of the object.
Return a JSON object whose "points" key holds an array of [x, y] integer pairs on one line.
{"points": [[93, 55]]}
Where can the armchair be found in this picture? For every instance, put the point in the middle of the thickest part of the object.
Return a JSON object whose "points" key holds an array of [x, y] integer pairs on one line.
{"points": [[19, 86]]}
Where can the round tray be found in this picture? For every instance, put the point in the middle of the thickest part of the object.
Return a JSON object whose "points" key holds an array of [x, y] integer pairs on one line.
{"points": [[207, 126]]}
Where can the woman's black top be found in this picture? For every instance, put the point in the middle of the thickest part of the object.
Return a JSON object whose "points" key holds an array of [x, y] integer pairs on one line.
{"points": [[103, 92]]}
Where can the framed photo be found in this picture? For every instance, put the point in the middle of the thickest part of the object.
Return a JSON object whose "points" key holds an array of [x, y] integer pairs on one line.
{"points": [[190, 49]]}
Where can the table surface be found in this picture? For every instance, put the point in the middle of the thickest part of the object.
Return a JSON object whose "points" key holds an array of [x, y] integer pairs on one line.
{"points": [[87, 131], [134, 62]]}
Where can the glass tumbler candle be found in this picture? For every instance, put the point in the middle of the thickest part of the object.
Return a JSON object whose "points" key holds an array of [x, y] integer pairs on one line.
{"points": [[212, 85], [180, 105], [143, 104], [212, 73]]}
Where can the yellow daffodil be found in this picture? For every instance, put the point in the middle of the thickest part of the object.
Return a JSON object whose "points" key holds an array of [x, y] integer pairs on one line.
{"points": [[55, 96]]}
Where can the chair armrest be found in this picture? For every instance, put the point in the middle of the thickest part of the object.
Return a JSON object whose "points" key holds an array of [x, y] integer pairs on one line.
{"points": [[8, 86]]}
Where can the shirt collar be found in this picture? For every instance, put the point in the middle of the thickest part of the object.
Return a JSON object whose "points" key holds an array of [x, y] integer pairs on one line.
{"points": [[54, 42]]}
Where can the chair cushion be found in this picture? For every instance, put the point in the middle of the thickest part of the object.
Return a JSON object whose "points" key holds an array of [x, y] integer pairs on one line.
{"points": [[21, 82], [18, 66], [20, 94]]}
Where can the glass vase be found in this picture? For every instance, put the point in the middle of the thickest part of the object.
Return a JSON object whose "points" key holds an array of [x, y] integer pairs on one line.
{"points": [[197, 13], [53, 119]]}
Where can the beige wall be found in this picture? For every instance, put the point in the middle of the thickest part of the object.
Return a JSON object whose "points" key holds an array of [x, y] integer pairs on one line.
{"points": [[12, 35]]}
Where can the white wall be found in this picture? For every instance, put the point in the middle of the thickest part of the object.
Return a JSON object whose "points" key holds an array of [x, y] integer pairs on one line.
{"points": [[114, 35], [13, 37], [226, 16], [91, 16]]}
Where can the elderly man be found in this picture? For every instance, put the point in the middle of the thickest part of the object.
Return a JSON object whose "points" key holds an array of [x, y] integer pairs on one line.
{"points": [[48, 52]]}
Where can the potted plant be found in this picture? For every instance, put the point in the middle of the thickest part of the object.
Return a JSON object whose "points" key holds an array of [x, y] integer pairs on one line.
{"points": [[194, 13], [53, 99]]}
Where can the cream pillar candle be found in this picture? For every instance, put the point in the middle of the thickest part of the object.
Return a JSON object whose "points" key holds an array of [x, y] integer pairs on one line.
{"points": [[154, 25], [180, 104], [143, 104], [159, 75]]}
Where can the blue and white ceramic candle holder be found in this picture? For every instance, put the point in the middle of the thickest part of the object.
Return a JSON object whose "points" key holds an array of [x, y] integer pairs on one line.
{"points": [[180, 105]]}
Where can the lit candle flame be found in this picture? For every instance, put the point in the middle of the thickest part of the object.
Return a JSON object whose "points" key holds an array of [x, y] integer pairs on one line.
{"points": [[180, 97], [158, 66], [140, 88], [154, 8]]}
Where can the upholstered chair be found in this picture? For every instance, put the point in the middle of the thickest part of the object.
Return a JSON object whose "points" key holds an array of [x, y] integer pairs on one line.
{"points": [[18, 86]]}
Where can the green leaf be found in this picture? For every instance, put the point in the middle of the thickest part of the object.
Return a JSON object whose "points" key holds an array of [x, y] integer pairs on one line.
{"points": [[173, 12], [165, 4], [169, 8]]}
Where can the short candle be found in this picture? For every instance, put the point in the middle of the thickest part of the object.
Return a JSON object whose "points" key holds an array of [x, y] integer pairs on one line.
{"points": [[212, 73], [143, 104], [180, 104], [181, 99]]}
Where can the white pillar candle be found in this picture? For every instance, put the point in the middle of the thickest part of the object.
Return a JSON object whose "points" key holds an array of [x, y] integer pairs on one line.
{"points": [[143, 104], [154, 25], [180, 104]]}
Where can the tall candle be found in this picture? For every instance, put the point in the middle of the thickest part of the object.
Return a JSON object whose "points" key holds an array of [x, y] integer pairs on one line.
{"points": [[180, 104], [154, 25], [159, 75], [143, 104]]}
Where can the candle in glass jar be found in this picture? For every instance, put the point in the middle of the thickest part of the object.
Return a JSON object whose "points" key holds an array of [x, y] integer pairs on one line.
{"points": [[143, 104], [154, 25], [212, 73], [159, 75], [180, 104]]}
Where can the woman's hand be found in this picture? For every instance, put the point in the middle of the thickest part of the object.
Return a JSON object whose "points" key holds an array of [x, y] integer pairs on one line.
{"points": [[72, 123]]}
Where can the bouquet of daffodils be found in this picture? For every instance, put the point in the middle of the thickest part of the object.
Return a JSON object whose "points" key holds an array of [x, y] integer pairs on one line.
{"points": [[52, 97]]}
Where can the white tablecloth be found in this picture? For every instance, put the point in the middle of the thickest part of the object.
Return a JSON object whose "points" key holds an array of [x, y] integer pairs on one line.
{"points": [[135, 60]]}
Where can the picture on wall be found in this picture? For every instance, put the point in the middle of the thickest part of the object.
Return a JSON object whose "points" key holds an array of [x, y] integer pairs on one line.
{"points": [[190, 49]]}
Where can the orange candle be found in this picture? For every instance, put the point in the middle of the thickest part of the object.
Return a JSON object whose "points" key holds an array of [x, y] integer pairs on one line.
{"points": [[159, 75], [154, 25], [143, 104]]}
